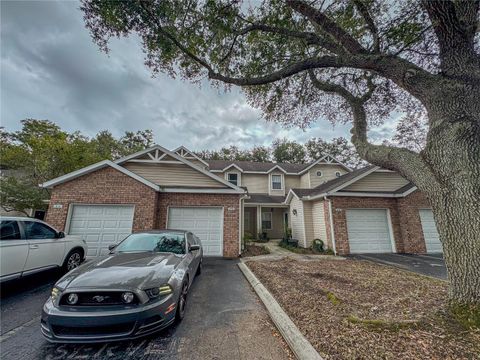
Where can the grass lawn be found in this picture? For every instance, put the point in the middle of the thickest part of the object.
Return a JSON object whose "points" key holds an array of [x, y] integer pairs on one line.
{"points": [[358, 310]]}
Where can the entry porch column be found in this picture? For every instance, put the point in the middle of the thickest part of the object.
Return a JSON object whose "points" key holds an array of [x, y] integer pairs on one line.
{"points": [[259, 221]]}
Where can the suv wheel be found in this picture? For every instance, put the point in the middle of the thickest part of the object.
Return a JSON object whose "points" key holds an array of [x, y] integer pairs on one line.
{"points": [[73, 260]]}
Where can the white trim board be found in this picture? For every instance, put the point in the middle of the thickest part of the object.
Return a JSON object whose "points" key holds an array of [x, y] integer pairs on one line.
{"points": [[94, 167]]}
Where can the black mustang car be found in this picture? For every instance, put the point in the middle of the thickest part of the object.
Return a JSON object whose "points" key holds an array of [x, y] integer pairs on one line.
{"points": [[139, 288]]}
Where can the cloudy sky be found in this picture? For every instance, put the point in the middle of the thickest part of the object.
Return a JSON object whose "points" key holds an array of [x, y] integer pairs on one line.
{"points": [[50, 69]]}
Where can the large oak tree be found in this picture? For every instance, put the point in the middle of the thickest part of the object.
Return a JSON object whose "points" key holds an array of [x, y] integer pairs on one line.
{"points": [[348, 59]]}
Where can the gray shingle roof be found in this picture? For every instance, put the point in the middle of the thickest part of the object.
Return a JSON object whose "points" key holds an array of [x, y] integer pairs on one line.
{"points": [[262, 198], [256, 166]]}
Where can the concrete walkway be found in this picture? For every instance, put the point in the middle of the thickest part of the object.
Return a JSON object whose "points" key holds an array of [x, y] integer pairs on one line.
{"points": [[278, 253]]}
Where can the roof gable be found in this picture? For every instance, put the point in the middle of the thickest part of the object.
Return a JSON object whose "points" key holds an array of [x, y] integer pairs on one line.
{"points": [[94, 167], [159, 155], [187, 154]]}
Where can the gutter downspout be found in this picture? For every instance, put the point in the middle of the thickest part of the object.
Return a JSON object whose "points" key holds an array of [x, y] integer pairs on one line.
{"points": [[332, 232], [240, 223]]}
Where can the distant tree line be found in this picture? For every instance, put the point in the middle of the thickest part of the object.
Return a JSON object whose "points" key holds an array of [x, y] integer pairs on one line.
{"points": [[41, 151], [289, 151]]}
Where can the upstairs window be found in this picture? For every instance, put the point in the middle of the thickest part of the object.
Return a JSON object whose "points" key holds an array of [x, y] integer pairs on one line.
{"points": [[277, 182], [232, 178]]}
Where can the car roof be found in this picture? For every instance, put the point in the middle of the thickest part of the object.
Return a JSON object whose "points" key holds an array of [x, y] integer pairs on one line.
{"points": [[161, 231], [19, 218]]}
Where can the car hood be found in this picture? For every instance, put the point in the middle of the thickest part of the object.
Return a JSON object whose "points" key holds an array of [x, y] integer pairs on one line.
{"points": [[123, 271]]}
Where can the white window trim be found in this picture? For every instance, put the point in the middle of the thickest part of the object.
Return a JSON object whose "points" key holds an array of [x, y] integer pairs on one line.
{"points": [[282, 182], [271, 220], [239, 178]]}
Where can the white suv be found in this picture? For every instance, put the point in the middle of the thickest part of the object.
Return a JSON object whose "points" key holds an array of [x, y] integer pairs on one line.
{"points": [[29, 245]]}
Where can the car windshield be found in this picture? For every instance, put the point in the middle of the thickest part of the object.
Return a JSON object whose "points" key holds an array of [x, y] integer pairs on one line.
{"points": [[169, 242]]}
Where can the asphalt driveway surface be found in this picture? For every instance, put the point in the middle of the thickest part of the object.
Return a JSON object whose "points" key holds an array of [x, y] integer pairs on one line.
{"points": [[224, 320], [431, 264]]}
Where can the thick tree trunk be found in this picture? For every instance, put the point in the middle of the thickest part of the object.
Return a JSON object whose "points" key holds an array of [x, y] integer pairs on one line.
{"points": [[453, 154], [457, 215]]}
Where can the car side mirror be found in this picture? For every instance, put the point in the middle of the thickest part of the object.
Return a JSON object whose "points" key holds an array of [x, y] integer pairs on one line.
{"points": [[111, 247], [194, 247], [60, 235]]}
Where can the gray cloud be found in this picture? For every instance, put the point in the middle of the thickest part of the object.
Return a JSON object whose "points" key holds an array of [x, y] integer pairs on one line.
{"points": [[50, 69]]}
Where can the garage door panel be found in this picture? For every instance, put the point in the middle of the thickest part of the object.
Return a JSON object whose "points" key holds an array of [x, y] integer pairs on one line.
{"points": [[430, 233], [368, 231], [206, 223], [101, 225]]}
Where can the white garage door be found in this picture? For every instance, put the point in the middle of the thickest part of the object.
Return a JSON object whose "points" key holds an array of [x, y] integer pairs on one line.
{"points": [[101, 225], [368, 231], [432, 240], [205, 222]]}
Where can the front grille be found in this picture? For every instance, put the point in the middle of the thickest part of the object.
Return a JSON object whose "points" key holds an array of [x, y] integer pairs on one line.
{"points": [[92, 330], [103, 298]]}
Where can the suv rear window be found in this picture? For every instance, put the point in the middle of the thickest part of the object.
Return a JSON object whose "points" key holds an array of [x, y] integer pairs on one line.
{"points": [[9, 230]]}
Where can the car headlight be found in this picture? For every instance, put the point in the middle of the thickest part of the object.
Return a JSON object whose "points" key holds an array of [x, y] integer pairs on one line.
{"points": [[159, 291], [55, 293], [128, 297]]}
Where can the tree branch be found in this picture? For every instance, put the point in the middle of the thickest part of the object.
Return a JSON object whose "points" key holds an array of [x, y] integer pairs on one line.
{"points": [[328, 25], [309, 37], [363, 10], [406, 162]]}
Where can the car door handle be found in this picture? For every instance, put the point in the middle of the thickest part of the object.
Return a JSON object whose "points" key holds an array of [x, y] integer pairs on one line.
{"points": [[33, 246]]}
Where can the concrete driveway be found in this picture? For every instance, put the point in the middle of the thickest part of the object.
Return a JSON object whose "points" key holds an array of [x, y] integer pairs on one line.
{"points": [[431, 264], [224, 320]]}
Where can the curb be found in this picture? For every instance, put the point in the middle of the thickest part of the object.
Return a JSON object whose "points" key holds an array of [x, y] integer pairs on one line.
{"points": [[299, 345]]}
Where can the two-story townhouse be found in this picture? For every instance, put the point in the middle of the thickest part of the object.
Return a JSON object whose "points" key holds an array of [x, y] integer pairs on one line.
{"points": [[364, 210], [268, 183]]}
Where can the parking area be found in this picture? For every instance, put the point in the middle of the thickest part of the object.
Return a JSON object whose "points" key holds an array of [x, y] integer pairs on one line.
{"points": [[224, 320], [430, 264]]}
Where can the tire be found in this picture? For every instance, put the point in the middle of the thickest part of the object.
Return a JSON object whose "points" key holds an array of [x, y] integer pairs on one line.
{"points": [[199, 268], [182, 302], [73, 260]]}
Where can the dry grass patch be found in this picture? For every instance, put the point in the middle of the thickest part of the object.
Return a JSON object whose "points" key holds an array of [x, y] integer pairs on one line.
{"points": [[255, 250], [357, 310]]}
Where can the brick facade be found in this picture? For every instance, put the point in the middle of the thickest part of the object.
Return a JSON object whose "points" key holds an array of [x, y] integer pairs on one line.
{"points": [[105, 186], [230, 204], [110, 186], [404, 215]]}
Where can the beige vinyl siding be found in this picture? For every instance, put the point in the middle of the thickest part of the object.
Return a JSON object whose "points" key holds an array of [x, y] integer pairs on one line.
{"points": [[172, 175], [378, 181], [297, 221], [255, 183], [291, 182], [197, 163], [305, 181], [318, 220], [307, 219], [276, 192], [328, 173]]}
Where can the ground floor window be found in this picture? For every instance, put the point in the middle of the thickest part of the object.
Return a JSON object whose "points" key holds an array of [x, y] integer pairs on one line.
{"points": [[266, 220]]}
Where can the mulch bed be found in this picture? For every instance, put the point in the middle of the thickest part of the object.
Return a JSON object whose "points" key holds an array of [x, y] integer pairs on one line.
{"points": [[254, 250], [358, 310]]}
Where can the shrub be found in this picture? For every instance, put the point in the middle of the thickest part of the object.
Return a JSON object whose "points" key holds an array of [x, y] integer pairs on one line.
{"points": [[318, 245]]}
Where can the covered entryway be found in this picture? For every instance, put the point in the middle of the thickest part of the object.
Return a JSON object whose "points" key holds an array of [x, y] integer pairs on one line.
{"points": [[430, 233], [369, 231], [205, 222], [101, 225]]}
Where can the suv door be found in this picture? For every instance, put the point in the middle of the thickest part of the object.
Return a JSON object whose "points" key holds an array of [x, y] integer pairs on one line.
{"points": [[45, 248], [13, 250]]}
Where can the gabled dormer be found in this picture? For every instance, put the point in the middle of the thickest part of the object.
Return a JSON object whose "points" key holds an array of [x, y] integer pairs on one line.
{"points": [[190, 156], [321, 171]]}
